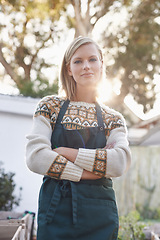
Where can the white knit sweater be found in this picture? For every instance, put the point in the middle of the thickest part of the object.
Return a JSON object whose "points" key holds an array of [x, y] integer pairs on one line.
{"points": [[43, 160]]}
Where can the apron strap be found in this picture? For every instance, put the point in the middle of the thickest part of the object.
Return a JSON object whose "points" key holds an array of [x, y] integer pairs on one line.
{"points": [[99, 117], [62, 111], [61, 190], [74, 201], [54, 203]]}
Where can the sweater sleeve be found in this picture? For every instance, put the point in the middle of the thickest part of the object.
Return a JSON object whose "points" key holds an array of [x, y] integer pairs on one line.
{"points": [[108, 162], [41, 159]]}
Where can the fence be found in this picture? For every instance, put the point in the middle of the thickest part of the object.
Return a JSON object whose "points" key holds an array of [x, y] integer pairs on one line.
{"points": [[17, 229], [141, 184]]}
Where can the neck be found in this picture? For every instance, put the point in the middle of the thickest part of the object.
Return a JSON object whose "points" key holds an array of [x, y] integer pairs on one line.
{"points": [[87, 95]]}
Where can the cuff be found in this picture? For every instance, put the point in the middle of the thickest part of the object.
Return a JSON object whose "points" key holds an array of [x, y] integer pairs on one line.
{"points": [[72, 172], [85, 159]]}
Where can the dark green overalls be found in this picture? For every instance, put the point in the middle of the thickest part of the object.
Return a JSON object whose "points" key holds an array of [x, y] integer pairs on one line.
{"points": [[84, 210]]}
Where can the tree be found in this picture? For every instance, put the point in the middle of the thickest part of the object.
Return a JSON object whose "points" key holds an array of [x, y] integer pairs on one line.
{"points": [[137, 51], [7, 187], [28, 28], [86, 15], [131, 49]]}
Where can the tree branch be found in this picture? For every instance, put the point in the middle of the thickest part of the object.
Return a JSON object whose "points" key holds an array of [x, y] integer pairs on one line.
{"points": [[103, 10], [6, 65], [42, 45], [79, 21], [88, 7]]}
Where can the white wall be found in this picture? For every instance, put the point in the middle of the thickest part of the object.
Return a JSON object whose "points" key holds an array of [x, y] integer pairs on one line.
{"points": [[15, 122]]}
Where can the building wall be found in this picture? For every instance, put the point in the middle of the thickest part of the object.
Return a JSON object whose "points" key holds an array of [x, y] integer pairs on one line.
{"points": [[15, 122]]}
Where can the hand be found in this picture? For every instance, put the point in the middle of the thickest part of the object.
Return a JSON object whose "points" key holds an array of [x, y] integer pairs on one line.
{"points": [[110, 145], [59, 150], [89, 176]]}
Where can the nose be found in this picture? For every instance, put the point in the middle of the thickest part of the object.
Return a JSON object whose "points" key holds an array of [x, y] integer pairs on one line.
{"points": [[86, 65]]}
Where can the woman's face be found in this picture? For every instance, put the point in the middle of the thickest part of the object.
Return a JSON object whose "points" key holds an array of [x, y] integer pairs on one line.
{"points": [[85, 66]]}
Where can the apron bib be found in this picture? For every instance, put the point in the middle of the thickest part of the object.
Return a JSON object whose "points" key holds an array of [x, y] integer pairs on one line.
{"points": [[84, 210]]}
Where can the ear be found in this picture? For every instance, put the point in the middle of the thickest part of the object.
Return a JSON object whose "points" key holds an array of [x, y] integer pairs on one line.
{"points": [[69, 70]]}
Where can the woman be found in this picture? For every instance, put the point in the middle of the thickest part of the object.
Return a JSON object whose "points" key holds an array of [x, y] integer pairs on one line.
{"points": [[78, 146]]}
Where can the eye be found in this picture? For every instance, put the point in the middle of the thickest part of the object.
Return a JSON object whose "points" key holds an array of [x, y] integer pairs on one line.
{"points": [[93, 60], [77, 61]]}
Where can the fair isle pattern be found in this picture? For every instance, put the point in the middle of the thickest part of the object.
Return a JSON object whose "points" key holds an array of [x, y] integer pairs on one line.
{"points": [[49, 107], [79, 115], [100, 162], [111, 122], [57, 167]]}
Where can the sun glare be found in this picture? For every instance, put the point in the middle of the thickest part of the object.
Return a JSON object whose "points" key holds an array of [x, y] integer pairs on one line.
{"points": [[105, 91]]}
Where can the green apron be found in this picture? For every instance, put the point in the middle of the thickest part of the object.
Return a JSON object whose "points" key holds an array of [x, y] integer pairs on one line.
{"points": [[84, 210]]}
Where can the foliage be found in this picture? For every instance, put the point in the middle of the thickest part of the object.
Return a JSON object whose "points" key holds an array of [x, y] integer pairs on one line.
{"points": [[28, 28], [130, 227], [32, 27], [7, 186], [131, 46], [148, 213], [39, 88], [135, 50]]}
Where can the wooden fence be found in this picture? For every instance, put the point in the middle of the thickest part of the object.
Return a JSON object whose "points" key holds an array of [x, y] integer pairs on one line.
{"points": [[141, 184]]}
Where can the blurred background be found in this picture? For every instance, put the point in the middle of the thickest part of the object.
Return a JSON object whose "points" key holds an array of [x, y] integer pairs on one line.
{"points": [[33, 38]]}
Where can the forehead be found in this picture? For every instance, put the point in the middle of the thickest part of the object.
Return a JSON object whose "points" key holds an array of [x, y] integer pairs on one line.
{"points": [[86, 50]]}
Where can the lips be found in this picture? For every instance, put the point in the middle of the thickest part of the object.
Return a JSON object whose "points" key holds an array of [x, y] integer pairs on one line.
{"points": [[87, 74]]}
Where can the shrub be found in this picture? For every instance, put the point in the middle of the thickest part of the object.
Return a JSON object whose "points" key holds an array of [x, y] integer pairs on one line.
{"points": [[130, 227], [7, 186], [148, 213]]}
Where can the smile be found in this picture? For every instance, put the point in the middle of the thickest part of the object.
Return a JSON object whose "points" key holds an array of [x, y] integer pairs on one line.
{"points": [[87, 75]]}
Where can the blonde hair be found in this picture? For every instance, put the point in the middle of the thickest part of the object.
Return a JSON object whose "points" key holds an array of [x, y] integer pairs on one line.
{"points": [[68, 84]]}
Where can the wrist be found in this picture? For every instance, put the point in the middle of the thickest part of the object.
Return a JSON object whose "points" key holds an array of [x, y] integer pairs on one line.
{"points": [[69, 153]]}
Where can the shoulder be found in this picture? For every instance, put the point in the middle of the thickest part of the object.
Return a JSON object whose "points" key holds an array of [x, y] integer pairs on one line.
{"points": [[112, 117], [111, 112], [50, 101], [47, 105]]}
